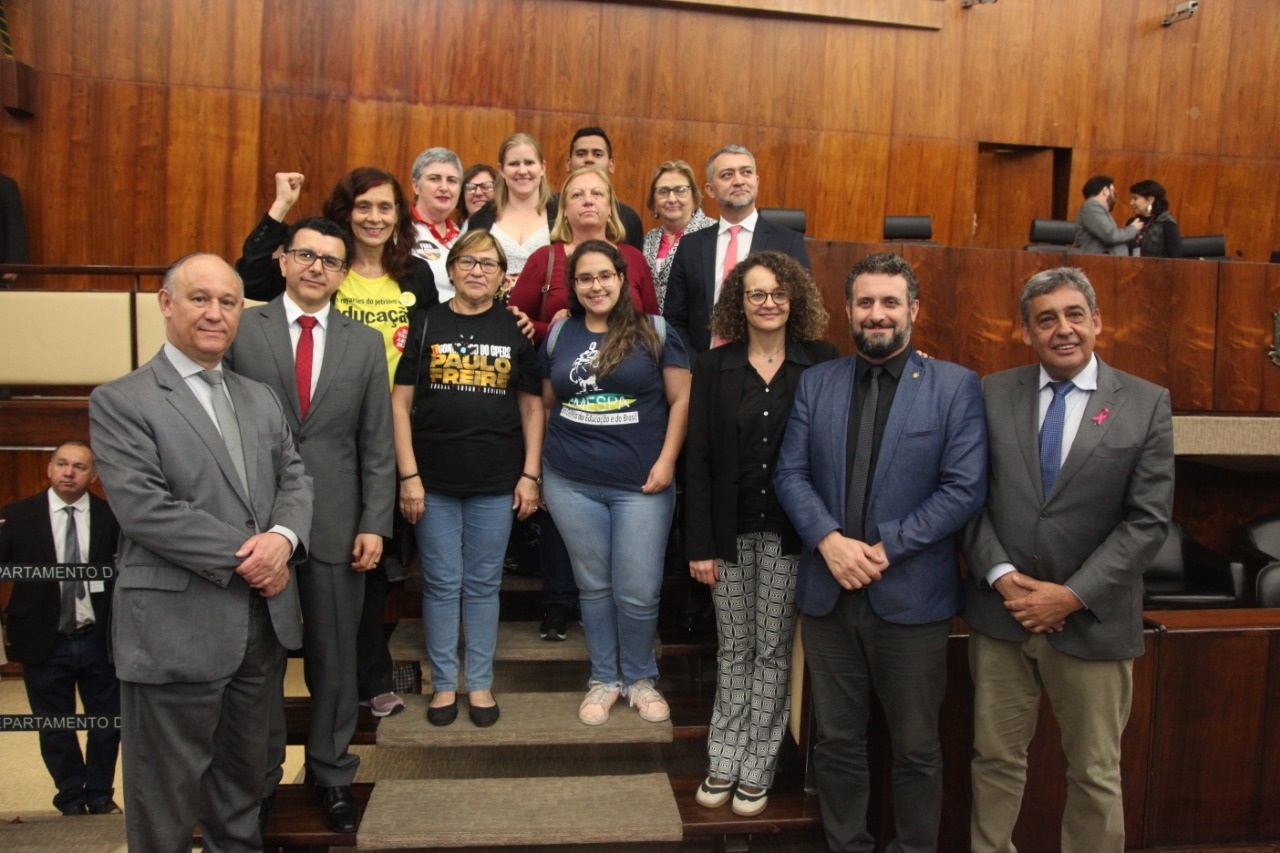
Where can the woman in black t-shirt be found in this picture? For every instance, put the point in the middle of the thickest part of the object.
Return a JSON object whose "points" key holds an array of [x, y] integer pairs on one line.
{"points": [[468, 431]]}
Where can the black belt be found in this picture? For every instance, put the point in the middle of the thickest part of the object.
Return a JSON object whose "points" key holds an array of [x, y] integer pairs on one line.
{"points": [[79, 632]]}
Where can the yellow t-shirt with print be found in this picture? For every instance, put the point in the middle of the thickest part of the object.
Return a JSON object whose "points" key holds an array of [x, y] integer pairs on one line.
{"points": [[379, 304]]}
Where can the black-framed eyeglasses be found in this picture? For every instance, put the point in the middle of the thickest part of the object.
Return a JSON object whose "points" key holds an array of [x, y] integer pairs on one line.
{"points": [[587, 279], [681, 191], [467, 263], [758, 297], [306, 258], [486, 186]]}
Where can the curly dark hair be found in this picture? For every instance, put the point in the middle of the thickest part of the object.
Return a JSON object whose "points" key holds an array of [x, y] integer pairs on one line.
{"points": [[396, 252], [808, 318]]}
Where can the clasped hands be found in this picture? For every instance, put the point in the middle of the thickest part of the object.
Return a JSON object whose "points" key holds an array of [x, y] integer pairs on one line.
{"points": [[853, 563], [265, 562], [1039, 606]]}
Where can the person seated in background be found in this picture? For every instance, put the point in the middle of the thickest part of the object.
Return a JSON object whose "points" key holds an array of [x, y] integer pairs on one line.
{"points": [[58, 631], [1096, 231], [477, 190], [738, 540], [436, 178], [1159, 237], [676, 202]]}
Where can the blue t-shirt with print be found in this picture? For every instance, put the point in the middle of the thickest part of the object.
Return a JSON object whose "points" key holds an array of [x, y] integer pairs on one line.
{"points": [[605, 430]]}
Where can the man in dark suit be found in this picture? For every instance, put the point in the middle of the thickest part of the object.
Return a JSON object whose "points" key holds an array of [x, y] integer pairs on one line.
{"points": [[213, 502], [706, 257], [58, 631], [330, 372], [883, 463], [1081, 495], [589, 147]]}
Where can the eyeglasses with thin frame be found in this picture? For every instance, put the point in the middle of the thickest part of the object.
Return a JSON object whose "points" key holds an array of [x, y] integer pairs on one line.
{"points": [[472, 189], [681, 191], [467, 263], [306, 258], [587, 279], [758, 297]]}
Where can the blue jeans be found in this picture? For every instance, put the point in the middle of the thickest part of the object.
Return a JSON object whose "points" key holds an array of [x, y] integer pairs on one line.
{"points": [[462, 542], [617, 539]]}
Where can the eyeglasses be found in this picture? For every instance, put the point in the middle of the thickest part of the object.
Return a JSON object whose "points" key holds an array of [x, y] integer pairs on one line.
{"points": [[679, 192], [467, 263], [306, 258], [587, 279], [483, 186], [758, 297]]}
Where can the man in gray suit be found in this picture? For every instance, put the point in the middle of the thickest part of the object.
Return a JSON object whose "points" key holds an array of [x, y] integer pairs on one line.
{"points": [[330, 372], [1079, 500], [213, 503], [1096, 231]]}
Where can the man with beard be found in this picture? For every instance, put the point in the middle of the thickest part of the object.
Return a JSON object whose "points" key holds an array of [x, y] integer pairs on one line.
{"points": [[883, 463], [707, 257], [1096, 231]]}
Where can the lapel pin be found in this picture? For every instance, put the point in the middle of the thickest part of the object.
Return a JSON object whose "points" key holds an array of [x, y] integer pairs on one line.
{"points": [[1101, 416], [915, 375]]}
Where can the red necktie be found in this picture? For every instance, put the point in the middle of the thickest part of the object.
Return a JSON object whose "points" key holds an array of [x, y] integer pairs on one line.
{"points": [[302, 362], [730, 253]]}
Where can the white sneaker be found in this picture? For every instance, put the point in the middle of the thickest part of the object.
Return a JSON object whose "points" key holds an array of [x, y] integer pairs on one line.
{"points": [[645, 697], [594, 710]]}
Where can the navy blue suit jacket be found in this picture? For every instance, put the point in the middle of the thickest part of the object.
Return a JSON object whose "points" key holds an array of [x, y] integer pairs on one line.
{"points": [[930, 479]]}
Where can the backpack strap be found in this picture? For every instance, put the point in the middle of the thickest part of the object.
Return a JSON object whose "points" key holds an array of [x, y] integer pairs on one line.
{"points": [[553, 334]]}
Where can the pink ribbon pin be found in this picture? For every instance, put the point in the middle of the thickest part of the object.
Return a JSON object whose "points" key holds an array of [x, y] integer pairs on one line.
{"points": [[1101, 416]]}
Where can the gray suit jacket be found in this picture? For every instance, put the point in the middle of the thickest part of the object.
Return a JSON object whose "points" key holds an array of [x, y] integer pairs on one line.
{"points": [[1098, 234], [181, 611], [346, 441], [1103, 522]]}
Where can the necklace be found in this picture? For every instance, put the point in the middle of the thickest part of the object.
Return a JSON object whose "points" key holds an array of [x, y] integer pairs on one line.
{"points": [[769, 357]]}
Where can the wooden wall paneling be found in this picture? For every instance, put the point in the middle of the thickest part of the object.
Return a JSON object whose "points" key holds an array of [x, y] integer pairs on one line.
{"points": [[1204, 770], [1213, 502], [298, 134], [211, 168], [306, 49], [855, 80], [1195, 75], [563, 54], [786, 91], [1245, 380], [390, 44], [998, 72], [928, 79], [785, 160], [1125, 66], [850, 193], [113, 39], [966, 314], [469, 57], [640, 145], [1269, 796], [1250, 113], [1057, 90], [381, 133], [553, 130], [25, 472], [1013, 187], [646, 66], [126, 218], [474, 133], [1243, 203], [924, 179], [831, 265], [214, 43]]}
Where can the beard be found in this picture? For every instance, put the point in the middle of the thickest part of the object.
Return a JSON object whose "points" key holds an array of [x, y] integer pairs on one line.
{"points": [[881, 347]]}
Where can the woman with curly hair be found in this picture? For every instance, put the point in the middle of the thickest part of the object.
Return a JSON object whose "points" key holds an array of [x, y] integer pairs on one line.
{"points": [[738, 539]]}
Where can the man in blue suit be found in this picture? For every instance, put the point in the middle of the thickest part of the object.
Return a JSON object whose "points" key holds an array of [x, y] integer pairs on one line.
{"points": [[883, 463]]}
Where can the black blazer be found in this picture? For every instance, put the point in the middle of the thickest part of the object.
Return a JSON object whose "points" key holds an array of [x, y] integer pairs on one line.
{"points": [[692, 283], [36, 607], [711, 450]]}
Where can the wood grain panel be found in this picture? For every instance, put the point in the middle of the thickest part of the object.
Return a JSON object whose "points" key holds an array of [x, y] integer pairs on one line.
{"points": [[1248, 127], [1269, 797], [801, 98], [927, 82], [1213, 503], [853, 76], [1013, 187], [563, 56], [996, 42], [1240, 208], [1193, 80], [850, 170], [305, 49], [925, 178], [390, 44], [467, 57], [307, 135], [1061, 73], [1123, 108], [908, 13], [214, 43], [1245, 380]]}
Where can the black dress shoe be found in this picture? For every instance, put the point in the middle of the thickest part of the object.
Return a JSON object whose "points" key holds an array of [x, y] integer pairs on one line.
{"points": [[75, 811], [483, 717], [264, 811], [105, 807], [444, 715], [340, 812]]}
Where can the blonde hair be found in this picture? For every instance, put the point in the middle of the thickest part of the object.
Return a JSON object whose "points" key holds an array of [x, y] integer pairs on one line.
{"points": [[614, 231], [680, 167], [500, 197]]}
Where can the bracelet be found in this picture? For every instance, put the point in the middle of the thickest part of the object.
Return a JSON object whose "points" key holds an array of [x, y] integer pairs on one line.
{"points": [[409, 476], [537, 480]]}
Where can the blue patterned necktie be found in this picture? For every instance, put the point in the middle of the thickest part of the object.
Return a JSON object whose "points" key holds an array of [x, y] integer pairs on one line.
{"points": [[1051, 435]]}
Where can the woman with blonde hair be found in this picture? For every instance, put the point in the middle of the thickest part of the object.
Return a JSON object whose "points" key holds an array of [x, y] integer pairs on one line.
{"points": [[520, 216]]}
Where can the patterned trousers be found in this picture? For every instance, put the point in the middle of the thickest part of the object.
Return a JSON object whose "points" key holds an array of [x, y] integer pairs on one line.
{"points": [[755, 602]]}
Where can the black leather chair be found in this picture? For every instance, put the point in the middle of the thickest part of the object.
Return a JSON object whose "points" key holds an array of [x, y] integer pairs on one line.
{"points": [[1258, 544], [917, 229], [1268, 589], [1209, 247], [1187, 575], [786, 217], [1051, 235]]}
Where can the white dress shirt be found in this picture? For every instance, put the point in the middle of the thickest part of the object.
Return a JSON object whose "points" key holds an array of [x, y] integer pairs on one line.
{"points": [[722, 245], [58, 519], [318, 334]]}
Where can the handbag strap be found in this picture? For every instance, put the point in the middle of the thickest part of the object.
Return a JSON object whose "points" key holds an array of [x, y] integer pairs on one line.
{"points": [[546, 285]]}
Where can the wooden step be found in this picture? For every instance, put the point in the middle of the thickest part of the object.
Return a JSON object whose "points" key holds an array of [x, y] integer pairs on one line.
{"points": [[297, 822], [527, 719], [789, 809], [50, 832], [517, 641], [556, 811]]}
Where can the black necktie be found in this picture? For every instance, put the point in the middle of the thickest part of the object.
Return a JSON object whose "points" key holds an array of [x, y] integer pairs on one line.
{"points": [[860, 473], [71, 590]]}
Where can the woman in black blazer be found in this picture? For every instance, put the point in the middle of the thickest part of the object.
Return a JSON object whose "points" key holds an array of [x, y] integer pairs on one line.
{"points": [[739, 541]]}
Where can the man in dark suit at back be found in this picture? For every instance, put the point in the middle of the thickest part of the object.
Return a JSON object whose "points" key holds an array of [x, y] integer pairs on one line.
{"points": [[883, 463], [330, 373], [1080, 500], [706, 257], [591, 146], [213, 502], [58, 631]]}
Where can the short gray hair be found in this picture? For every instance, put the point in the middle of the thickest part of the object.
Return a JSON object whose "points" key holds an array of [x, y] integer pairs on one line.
{"points": [[433, 155], [1048, 281], [171, 274], [726, 149]]}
